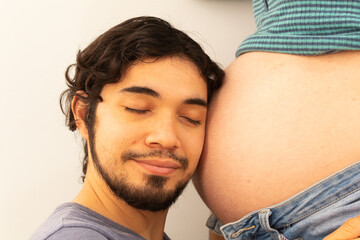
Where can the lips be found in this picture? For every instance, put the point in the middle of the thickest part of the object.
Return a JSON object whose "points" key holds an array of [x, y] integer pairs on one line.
{"points": [[159, 167]]}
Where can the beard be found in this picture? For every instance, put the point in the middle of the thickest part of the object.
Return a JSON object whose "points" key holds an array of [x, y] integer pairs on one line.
{"points": [[152, 196]]}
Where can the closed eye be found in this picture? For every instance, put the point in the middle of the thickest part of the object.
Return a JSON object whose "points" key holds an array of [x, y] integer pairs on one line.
{"points": [[193, 122], [137, 111]]}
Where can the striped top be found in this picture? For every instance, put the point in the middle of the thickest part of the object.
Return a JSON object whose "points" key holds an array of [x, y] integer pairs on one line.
{"points": [[304, 27]]}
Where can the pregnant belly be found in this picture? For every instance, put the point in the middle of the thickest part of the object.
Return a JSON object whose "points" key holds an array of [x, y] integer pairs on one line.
{"points": [[278, 125]]}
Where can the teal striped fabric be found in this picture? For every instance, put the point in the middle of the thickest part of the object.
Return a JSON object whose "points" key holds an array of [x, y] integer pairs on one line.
{"points": [[304, 27]]}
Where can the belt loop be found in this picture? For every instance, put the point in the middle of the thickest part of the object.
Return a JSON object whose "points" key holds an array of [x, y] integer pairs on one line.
{"points": [[264, 219], [214, 224]]}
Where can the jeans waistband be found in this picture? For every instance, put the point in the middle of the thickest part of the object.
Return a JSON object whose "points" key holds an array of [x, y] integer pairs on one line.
{"points": [[309, 201]]}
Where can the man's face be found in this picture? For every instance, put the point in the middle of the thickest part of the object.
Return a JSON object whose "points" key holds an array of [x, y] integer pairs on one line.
{"points": [[149, 131]]}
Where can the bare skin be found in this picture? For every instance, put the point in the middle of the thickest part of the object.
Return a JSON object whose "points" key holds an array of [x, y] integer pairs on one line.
{"points": [[214, 236], [99, 198], [350, 230], [279, 124], [168, 114]]}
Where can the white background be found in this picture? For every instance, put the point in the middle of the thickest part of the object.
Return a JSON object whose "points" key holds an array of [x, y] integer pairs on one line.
{"points": [[40, 159]]}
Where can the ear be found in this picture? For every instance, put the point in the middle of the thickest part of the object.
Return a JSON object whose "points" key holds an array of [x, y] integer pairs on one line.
{"points": [[79, 109]]}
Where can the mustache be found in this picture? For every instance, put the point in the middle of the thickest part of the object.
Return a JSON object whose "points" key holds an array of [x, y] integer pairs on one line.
{"points": [[130, 155]]}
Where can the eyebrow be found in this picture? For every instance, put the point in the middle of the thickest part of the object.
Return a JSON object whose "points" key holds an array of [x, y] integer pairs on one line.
{"points": [[153, 93], [141, 90], [196, 101]]}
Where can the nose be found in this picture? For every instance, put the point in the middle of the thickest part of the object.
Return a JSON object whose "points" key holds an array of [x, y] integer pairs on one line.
{"points": [[163, 134]]}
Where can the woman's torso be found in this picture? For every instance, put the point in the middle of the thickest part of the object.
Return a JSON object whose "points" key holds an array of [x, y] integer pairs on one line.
{"points": [[279, 124]]}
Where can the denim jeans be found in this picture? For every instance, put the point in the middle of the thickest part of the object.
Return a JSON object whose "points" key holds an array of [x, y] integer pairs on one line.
{"points": [[311, 214]]}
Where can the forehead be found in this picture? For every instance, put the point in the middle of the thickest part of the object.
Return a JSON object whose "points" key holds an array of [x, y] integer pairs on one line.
{"points": [[165, 75]]}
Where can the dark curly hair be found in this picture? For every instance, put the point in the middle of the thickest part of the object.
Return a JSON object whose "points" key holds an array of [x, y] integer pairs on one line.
{"points": [[108, 57]]}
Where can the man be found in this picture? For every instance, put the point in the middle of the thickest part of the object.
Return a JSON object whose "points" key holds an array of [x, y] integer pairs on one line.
{"points": [[139, 99]]}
